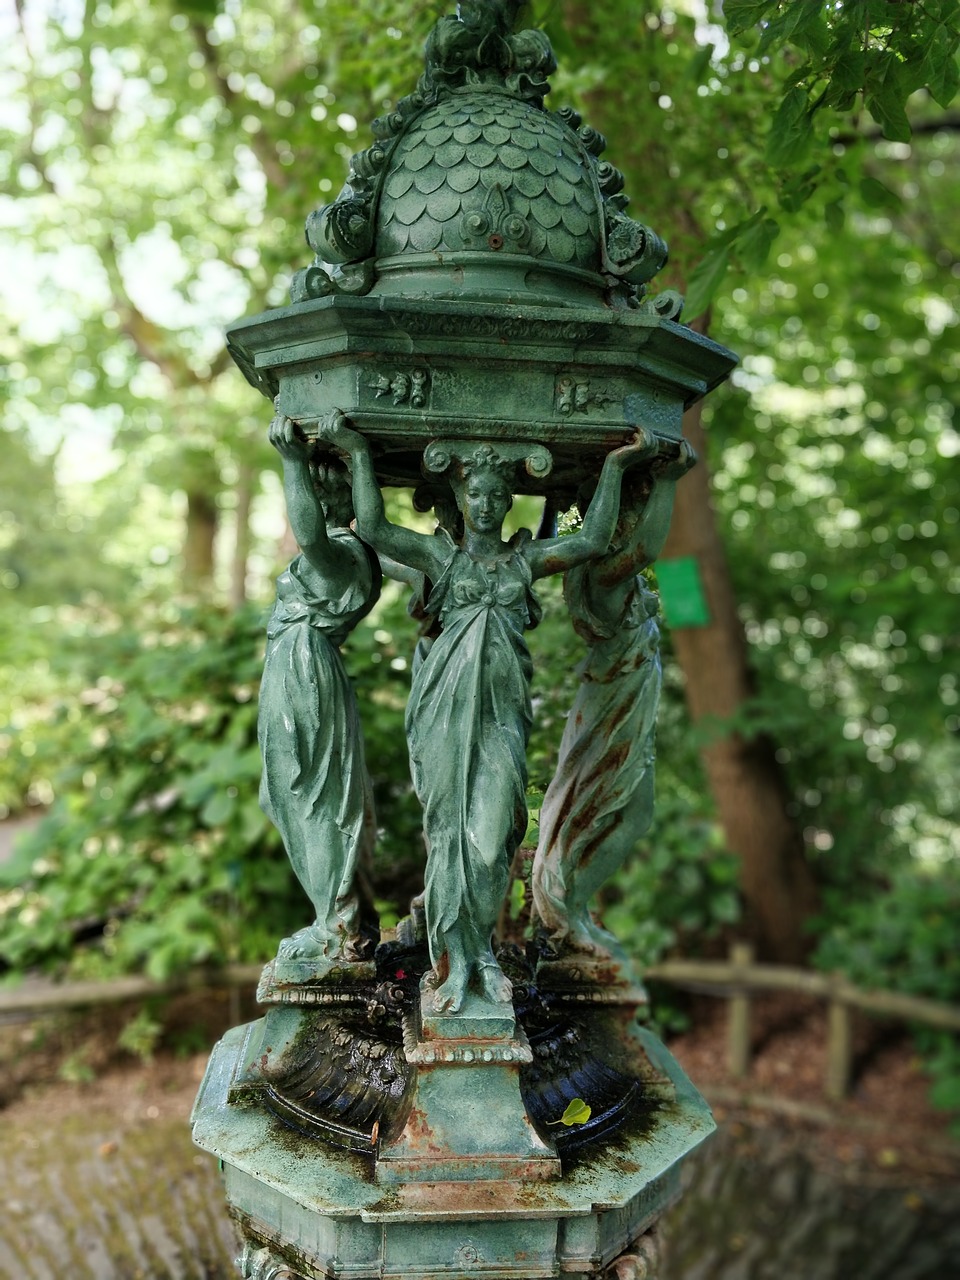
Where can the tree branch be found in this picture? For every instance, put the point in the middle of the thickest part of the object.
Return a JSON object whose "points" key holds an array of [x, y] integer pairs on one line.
{"points": [[949, 123], [31, 153], [277, 176], [150, 339]]}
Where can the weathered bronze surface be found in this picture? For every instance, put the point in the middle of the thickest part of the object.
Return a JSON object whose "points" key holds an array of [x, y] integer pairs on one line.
{"points": [[315, 787], [476, 324]]}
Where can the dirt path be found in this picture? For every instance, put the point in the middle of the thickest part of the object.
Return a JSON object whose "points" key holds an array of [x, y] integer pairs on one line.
{"points": [[103, 1183]]}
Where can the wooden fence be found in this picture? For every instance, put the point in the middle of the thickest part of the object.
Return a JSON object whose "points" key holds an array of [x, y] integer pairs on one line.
{"points": [[735, 979], [739, 977]]}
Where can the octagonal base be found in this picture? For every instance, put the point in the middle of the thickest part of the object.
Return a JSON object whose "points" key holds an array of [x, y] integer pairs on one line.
{"points": [[307, 1209]]}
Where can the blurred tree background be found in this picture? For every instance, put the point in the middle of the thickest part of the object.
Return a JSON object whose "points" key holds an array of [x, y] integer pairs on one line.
{"points": [[158, 162]]}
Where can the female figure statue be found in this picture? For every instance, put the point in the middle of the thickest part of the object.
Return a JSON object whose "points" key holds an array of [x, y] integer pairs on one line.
{"points": [[600, 801], [315, 788], [468, 718]]}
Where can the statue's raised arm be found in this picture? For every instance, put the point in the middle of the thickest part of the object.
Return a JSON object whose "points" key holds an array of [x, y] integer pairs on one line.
{"points": [[315, 788], [557, 555], [644, 522], [417, 551]]}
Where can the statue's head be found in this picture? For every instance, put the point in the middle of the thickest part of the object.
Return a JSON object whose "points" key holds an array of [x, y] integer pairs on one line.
{"points": [[331, 482], [482, 482]]}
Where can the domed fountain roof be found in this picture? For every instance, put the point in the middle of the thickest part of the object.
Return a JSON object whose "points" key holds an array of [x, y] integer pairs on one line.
{"points": [[484, 171], [473, 189]]}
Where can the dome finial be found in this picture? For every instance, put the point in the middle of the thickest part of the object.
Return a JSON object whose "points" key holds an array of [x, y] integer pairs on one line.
{"points": [[481, 46]]}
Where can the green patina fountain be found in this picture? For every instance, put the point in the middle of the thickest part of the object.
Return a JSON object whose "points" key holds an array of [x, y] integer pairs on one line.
{"points": [[476, 324]]}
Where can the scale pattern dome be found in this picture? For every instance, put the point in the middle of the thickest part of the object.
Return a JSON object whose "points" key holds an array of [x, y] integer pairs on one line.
{"points": [[484, 171]]}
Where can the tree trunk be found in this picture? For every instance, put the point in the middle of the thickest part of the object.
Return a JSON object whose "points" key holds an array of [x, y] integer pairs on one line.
{"points": [[247, 484], [199, 541], [746, 781]]}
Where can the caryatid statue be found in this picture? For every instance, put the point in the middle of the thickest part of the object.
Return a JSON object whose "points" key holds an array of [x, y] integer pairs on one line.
{"points": [[600, 800], [468, 717], [315, 787]]}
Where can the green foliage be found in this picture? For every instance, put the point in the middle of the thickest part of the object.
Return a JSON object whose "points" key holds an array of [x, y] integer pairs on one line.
{"points": [[883, 52], [907, 938], [141, 1035], [577, 1112], [149, 809], [943, 1064], [156, 844], [517, 901], [679, 889], [75, 1069]]}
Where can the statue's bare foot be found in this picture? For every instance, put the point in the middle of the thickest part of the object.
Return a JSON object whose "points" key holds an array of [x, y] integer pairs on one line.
{"points": [[494, 983], [305, 944], [448, 981], [449, 996]]}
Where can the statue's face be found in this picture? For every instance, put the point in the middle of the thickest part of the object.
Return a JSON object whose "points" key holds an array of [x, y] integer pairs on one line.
{"points": [[485, 502]]}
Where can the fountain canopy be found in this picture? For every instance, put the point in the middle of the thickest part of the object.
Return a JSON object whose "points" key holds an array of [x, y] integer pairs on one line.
{"points": [[479, 276]]}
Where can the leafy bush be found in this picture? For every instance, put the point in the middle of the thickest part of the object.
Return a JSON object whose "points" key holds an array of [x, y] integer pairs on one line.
{"points": [[904, 937], [679, 888], [156, 850], [32, 687]]}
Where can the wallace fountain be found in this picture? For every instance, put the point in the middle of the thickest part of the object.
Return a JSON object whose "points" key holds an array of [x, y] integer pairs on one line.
{"points": [[477, 323]]}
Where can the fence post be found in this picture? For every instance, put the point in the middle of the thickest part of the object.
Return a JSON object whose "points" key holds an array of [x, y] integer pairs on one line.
{"points": [[839, 1048], [738, 1025]]}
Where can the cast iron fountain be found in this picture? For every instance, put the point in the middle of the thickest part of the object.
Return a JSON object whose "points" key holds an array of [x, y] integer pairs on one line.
{"points": [[476, 325]]}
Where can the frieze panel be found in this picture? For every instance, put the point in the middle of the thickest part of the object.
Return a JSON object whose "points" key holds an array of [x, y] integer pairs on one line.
{"points": [[511, 327]]}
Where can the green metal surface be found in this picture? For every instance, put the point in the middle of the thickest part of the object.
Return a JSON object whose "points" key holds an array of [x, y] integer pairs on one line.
{"points": [[575, 379], [315, 787], [600, 800]]}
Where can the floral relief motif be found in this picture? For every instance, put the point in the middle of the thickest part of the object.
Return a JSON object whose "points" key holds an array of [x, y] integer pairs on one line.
{"points": [[577, 396], [405, 388]]}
